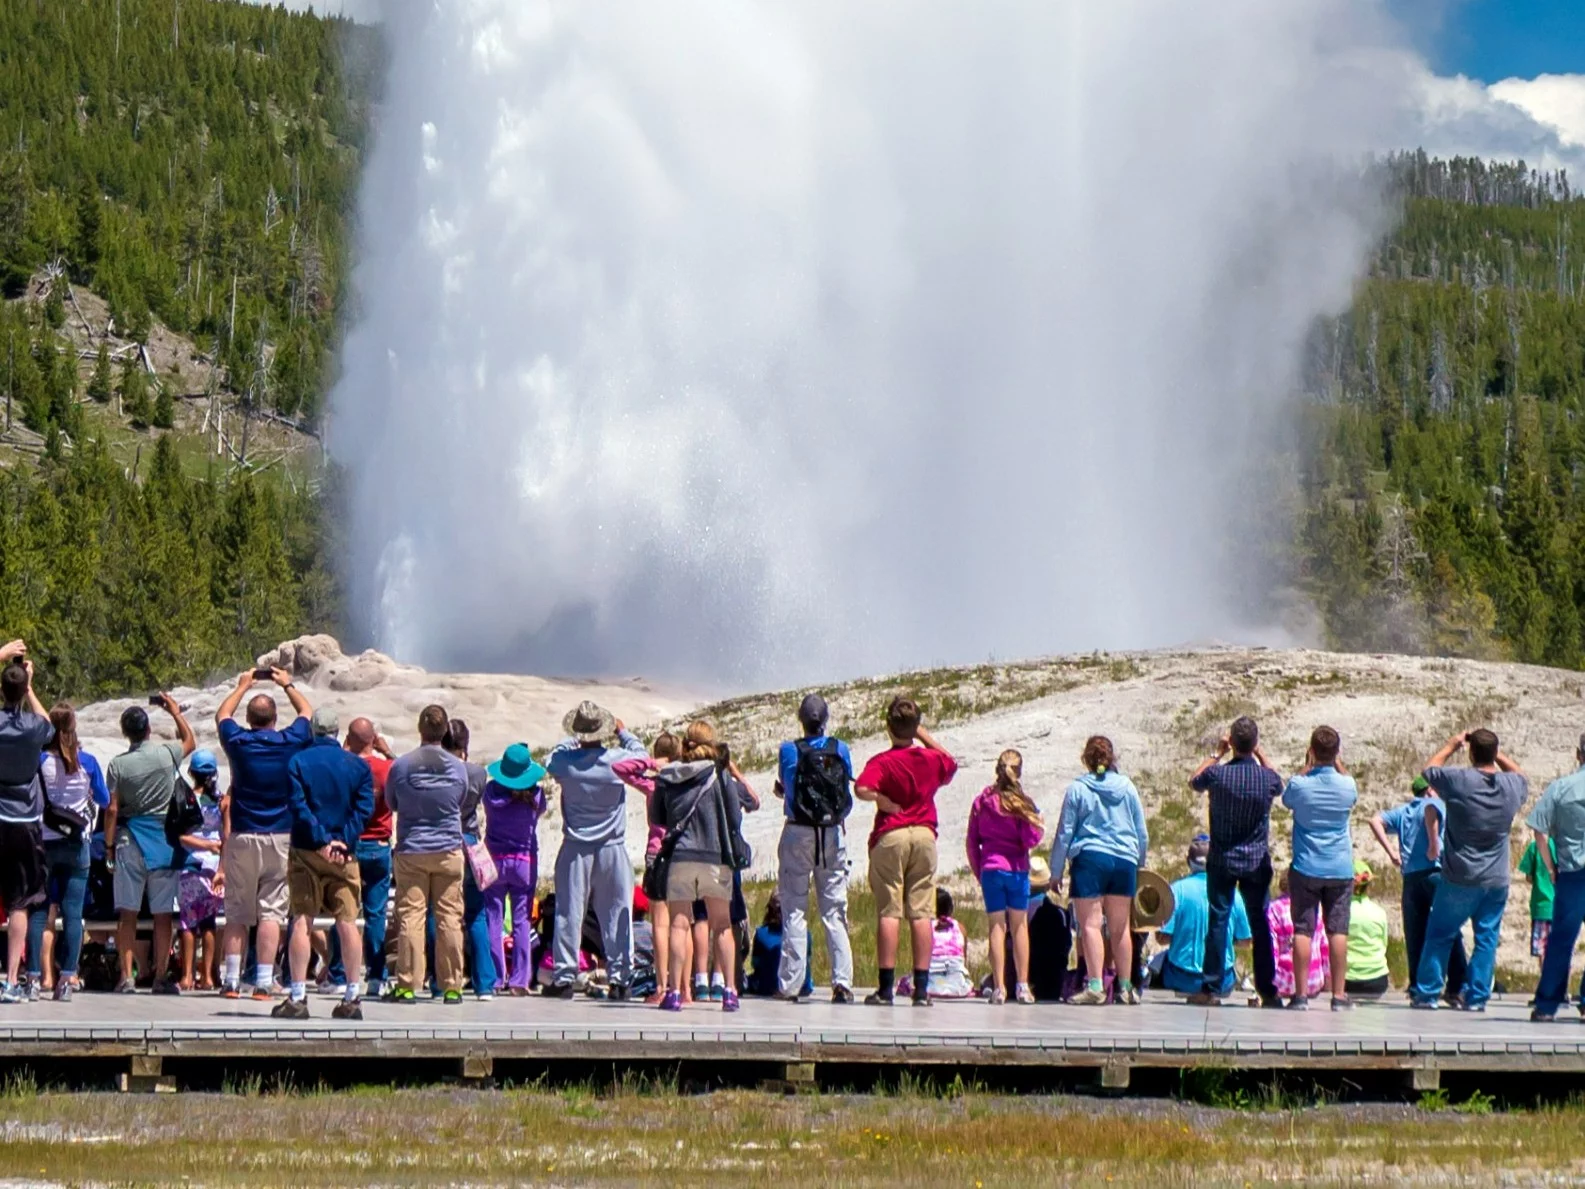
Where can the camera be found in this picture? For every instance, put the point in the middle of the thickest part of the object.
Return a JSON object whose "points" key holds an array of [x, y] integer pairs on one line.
{"points": [[156, 699], [263, 674]]}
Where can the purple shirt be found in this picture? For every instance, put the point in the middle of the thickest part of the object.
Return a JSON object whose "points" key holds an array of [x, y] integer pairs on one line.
{"points": [[511, 820], [998, 841]]}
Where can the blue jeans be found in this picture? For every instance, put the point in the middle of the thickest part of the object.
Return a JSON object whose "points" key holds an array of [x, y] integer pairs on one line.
{"points": [[1568, 911], [66, 881], [374, 869], [1419, 893], [1455, 904]]}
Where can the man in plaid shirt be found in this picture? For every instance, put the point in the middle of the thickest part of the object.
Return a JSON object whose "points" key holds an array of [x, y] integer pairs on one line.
{"points": [[1241, 791]]}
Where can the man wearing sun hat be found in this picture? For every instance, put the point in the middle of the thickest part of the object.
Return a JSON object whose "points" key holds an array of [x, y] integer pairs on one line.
{"points": [[513, 802], [593, 865]]}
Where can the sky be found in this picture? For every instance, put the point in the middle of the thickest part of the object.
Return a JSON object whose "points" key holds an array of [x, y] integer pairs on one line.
{"points": [[1497, 39]]}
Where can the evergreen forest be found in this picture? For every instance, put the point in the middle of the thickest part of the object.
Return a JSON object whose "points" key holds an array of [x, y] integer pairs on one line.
{"points": [[189, 167]]}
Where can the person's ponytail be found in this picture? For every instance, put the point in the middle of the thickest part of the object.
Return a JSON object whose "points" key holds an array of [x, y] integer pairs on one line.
{"points": [[1010, 788]]}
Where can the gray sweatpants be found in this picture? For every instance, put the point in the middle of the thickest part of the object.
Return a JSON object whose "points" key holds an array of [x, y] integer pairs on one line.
{"points": [[796, 870], [600, 875]]}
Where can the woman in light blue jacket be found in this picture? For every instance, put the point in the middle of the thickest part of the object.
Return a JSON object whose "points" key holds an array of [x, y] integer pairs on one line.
{"points": [[1101, 835]]}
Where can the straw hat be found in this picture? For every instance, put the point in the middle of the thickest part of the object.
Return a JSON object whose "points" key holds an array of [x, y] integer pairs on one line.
{"points": [[1153, 901]]}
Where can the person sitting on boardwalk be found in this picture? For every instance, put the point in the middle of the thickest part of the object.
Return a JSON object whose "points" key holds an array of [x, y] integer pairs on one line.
{"points": [[902, 782], [1240, 791], [1102, 831], [700, 801], [1279, 920], [1366, 972], [592, 867], [764, 969], [1469, 828], [1422, 875], [1050, 936], [142, 780], [1558, 821], [1004, 826], [1322, 799], [513, 803], [332, 798], [949, 970], [1184, 932], [814, 784], [425, 790]]}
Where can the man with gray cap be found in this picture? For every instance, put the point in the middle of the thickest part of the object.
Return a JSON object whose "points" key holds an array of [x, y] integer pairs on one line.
{"points": [[815, 785], [332, 795], [592, 866]]}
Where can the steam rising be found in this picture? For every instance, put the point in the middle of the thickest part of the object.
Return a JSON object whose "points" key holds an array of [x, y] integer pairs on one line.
{"points": [[753, 341]]}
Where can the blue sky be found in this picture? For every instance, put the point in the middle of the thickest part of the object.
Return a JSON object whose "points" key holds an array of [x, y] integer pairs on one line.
{"points": [[1497, 39]]}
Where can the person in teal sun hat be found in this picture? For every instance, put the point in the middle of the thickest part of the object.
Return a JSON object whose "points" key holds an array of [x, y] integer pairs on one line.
{"points": [[513, 802]]}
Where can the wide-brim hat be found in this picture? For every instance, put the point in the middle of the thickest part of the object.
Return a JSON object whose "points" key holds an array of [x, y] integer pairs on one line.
{"points": [[516, 769], [1153, 901], [589, 723], [1039, 872]]}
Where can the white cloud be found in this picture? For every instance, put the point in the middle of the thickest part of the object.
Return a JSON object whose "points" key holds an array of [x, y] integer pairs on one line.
{"points": [[1556, 100]]}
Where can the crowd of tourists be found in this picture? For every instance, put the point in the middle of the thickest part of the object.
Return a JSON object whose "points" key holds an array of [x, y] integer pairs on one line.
{"points": [[320, 834]]}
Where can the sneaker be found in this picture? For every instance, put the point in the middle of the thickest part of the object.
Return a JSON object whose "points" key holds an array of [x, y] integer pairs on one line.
{"points": [[231, 991], [290, 1009], [998, 997], [126, 987], [1472, 1007], [167, 987], [1268, 1002], [13, 993], [921, 1000], [876, 999], [375, 990], [337, 989], [1129, 996], [347, 1009], [701, 991], [264, 995], [729, 1001], [485, 996], [1342, 1003], [671, 1001], [1542, 1017], [717, 992], [619, 993], [1425, 1005], [795, 997], [841, 994], [63, 991], [34, 986], [402, 995], [1204, 999], [1299, 1003], [1089, 997], [1024, 994], [452, 998], [560, 991]]}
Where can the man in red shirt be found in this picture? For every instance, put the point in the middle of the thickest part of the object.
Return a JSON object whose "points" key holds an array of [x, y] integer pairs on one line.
{"points": [[373, 853], [903, 783]]}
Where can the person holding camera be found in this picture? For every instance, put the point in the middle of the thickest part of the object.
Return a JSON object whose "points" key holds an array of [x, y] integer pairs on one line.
{"points": [[254, 854], [332, 796], [142, 781], [24, 733], [1468, 828]]}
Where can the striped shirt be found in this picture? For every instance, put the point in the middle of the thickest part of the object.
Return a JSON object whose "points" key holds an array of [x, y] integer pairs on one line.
{"points": [[1241, 792]]}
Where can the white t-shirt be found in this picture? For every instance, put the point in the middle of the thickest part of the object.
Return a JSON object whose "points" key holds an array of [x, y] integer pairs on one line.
{"points": [[71, 791]]}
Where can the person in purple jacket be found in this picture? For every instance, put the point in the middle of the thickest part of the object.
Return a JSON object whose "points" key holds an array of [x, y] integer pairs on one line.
{"points": [[513, 802], [1003, 826]]}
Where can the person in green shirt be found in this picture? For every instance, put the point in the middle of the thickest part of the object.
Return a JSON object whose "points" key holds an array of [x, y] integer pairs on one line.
{"points": [[1367, 939], [1542, 892]]}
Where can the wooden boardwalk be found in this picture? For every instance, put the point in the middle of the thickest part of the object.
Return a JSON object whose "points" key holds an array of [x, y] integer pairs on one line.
{"points": [[144, 1032]]}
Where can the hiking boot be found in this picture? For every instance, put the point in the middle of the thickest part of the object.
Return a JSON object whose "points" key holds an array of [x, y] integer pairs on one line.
{"points": [[1342, 1003], [671, 1001], [876, 999], [560, 991], [729, 1000], [998, 997], [1089, 997], [1204, 999], [841, 994], [1299, 1003], [290, 1009], [347, 1009]]}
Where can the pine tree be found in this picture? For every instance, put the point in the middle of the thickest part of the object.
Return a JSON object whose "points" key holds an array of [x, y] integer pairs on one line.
{"points": [[164, 408], [99, 384], [134, 389]]}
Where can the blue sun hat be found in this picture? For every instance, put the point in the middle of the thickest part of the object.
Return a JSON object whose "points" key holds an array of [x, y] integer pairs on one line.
{"points": [[516, 769]]}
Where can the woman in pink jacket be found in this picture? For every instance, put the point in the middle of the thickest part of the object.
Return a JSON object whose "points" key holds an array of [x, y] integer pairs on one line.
{"points": [[1003, 826]]}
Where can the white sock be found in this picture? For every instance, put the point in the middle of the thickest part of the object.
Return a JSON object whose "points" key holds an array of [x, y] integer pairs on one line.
{"points": [[264, 977], [718, 979], [299, 991], [349, 993], [231, 973]]}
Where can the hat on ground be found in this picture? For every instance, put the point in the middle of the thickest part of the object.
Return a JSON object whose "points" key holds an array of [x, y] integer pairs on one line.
{"points": [[203, 763], [813, 711], [589, 723], [1420, 785], [326, 722], [1039, 872], [516, 768], [1153, 900]]}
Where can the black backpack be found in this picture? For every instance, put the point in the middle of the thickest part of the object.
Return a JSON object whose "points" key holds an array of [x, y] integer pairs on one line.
{"points": [[822, 793]]}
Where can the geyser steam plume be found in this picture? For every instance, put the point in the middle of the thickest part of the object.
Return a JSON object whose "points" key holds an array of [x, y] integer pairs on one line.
{"points": [[756, 341]]}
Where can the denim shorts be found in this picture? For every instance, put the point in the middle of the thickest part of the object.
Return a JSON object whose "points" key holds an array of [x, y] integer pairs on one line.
{"points": [[1092, 874], [1005, 889]]}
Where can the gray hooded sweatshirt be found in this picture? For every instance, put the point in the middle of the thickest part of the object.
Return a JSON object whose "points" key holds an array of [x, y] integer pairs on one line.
{"points": [[705, 839]]}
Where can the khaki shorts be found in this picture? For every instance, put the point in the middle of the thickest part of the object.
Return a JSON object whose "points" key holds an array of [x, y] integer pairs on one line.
{"points": [[698, 881], [903, 874], [254, 866], [320, 886]]}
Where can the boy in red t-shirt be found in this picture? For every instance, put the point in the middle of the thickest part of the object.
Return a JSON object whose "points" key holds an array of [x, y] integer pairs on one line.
{"points": [[903, 782]]}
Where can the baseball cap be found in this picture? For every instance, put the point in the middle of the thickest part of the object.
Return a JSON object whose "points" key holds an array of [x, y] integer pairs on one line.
{"points": [[203, 763], [1420, 785], [813, 711], [326, 721]]}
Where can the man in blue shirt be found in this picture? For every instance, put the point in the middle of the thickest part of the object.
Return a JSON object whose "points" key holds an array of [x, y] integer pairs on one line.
{"points": [[1421, 877], [1321, 880], [1559, 824], [814, 783], [1240, 792], [254, 858], [1184, 933], [332, 796]]}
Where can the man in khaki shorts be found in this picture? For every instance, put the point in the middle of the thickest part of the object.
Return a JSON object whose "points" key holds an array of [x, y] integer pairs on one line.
{"points": [[253, 860], [332, 796], [903, 782]]}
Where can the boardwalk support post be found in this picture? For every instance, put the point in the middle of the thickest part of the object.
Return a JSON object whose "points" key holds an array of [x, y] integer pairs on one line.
{"points": [[1425, 1079], [1114, 1076], [144, 1076], [477, 1070]]}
